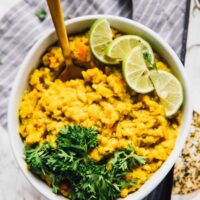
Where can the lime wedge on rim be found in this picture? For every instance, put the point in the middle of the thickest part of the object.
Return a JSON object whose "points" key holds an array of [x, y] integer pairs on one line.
{"points": [[121, 46], [99, 37], [136, 72], [169, 90]]}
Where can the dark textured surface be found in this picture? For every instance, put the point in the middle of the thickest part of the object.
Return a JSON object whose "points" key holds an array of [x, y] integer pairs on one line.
{"points": [[163, 190], [185, 32]]}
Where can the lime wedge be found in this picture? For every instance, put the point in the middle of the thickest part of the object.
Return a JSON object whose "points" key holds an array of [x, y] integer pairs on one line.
{"points": [[100, 36], [169, 90], [136, 72], [121, 46]]}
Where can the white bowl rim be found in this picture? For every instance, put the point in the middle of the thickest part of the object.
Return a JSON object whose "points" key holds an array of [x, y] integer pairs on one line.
{"points": [[163, 170]]}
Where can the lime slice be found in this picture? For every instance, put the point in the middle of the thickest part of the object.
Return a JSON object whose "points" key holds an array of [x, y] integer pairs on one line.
{"points": [[100, 36], [169, 90], [119, 47], [136, 72]]}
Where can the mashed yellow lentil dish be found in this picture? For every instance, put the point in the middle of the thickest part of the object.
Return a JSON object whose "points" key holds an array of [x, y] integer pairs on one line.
{"points": [[101, 99]]}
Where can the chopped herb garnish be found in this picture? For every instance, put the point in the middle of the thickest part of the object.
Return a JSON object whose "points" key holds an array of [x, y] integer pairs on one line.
{"points": [[69, 162], [41, 14], [148, 59]]}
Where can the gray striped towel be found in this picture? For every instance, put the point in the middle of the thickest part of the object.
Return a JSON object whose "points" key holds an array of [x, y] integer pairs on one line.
{"points": [[20, 29]]}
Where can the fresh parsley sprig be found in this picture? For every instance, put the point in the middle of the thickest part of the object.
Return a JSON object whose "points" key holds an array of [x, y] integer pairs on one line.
{"points": [[41, 14], [69, 161]]}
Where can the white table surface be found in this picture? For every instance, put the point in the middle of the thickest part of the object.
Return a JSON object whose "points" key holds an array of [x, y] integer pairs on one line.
{"points": [[5, 5], [14, 186], [192, 61]]}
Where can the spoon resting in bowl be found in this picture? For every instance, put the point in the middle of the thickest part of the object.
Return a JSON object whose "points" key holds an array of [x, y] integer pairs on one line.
{"points": [[70, 70]]}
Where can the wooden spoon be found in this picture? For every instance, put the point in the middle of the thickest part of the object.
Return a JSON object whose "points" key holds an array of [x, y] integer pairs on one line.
{"points": [[70, 71]]}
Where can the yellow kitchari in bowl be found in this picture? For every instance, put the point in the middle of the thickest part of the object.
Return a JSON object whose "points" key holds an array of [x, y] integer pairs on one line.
{"points": [[95, 137]]}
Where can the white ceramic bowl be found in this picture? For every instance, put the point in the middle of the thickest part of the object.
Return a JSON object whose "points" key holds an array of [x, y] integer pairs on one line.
{"points": [[74, 26]]}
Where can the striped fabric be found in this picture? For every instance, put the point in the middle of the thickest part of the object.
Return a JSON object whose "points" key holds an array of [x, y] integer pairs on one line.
{"points": [[20, 29]]}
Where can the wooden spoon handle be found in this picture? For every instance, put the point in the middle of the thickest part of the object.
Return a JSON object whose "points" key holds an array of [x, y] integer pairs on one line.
{"points": [[58, 20]]}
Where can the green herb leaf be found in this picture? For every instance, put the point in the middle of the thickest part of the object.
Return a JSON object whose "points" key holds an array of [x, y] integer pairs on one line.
{"points": [[69, 162], [77, 138], [154, 66], [148, 59], [41, 14]]}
